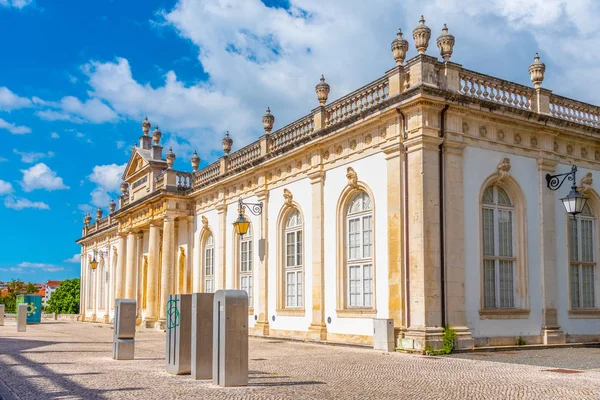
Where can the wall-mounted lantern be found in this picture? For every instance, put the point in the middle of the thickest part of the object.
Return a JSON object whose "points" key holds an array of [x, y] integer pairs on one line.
{"points": [[241, 224], [574, 202]]}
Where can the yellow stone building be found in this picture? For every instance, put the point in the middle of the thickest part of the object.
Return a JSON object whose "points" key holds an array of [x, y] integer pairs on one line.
{"points": [[421, 197]]}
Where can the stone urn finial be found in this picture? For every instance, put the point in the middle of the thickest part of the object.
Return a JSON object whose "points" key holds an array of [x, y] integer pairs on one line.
{"points": [[98, 214], [227, 143], [124, 188], [445, 42], [268, 120], [112, 206], [536, 71], [421, 35], [156, 135], [170, 158], [322, 90], [87, 219], [195, 160], [146, 126], [399, 48]]}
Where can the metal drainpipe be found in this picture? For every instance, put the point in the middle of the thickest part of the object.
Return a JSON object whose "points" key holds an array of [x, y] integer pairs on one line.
{"points": [[406, 242], [441, 189]]}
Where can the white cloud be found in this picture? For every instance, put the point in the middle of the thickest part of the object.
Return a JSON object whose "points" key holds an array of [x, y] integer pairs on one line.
{"points": [[5, 187], [93, 110], [42, 266], [75, 259], [3, 159], [10, 101], [21, 203], [52, 115], [100, 197], [120, 144], [85, 208], [31, 157], [14, 129], [15, 3], [13, 270], [107, 177], [54, 135], [40, 176]]}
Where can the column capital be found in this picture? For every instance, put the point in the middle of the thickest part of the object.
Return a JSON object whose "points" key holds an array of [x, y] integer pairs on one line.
{"points": [[454, 147], [190, 218], [392, 149], [316, 176], [422, 142], [262, 195], [547, 165]]}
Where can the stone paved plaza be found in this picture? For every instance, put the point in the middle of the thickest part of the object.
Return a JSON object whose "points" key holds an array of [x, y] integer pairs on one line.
{"points": [[69, 360]]}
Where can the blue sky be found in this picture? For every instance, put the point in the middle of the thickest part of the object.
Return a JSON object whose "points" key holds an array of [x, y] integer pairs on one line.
{"points": [[77, 78]]}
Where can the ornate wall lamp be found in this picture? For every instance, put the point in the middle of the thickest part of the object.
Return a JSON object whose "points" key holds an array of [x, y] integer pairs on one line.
{"points": [[241, 224], [574, 202], [94, 263]]}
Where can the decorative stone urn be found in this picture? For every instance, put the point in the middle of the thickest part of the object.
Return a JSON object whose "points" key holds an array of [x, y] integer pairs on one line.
{"points": [[421, 35], [227, 143], [195, 160], [322, 90], [399, 48], [124, 188], [445, 42], [112, 206], [146, 126], [87, 219], [170, 158], [98, 214], [156, 135], [536, 71], [268, 120]]}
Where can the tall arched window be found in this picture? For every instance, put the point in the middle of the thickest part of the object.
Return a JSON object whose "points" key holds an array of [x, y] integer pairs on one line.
{"points": [[209, 263], [497, 213], [582, 264], [359, 240], [246, 264], [293, 260]]}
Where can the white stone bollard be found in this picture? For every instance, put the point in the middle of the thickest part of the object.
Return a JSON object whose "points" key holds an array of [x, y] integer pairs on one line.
{"points": [[202, 335], [22, 317], [179, 334], [124, 331], [1, 314]]}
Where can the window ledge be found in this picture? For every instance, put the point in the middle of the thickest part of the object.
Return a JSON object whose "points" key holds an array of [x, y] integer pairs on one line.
{"points": [[585, 313], [290, 312], [504, 313], [357, 313]]}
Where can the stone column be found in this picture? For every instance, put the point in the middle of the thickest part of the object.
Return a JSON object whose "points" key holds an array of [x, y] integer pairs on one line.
{"points": [[180, 282], [317, 328], [192, 259], [424, 230], [130, 274], [551, 331], [454, 243], [152, 300], [261, 327], [120, 276], [222, 257], [168, 261], [82, 285], [98, 284], [139, 275], [107, 274]]}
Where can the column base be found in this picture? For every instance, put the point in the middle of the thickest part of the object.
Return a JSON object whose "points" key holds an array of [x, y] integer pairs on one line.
{"points": [[106, 318], [464, 339], [149, 323], [317, 332], [261, 328], [93, 318], [420, 338], [553, 335], [161, 324], [81, 317]]}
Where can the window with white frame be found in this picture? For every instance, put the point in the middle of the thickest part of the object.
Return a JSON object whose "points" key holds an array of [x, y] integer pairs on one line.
{"points": [[359, 239], [209, 264], [246, 264], [293, 260], [90, 299], [497, 213], [582, 265]]}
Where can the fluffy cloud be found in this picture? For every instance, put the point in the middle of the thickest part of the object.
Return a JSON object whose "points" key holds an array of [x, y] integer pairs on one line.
{"points": [[5, 187], [15, 3], [75, 259], [14, 129], [31, 157], [10, 101], [20, 204], [42, 266], [54, 135], [40, 176], [92, 110], [107, 177]]}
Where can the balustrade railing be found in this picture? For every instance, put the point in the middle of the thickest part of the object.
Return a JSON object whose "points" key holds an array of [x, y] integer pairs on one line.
{"points": [[358, 101], [488, 88], [207, 174], [159, 181], [244, 156], [183, 180], [575, 111], [292, 133]]}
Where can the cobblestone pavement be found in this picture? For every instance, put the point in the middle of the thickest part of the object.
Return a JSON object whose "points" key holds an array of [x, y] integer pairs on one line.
{"points": [[73, 361]]}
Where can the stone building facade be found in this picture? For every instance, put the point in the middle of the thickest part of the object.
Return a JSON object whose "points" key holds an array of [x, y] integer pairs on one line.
{"points": [[420, 197]]}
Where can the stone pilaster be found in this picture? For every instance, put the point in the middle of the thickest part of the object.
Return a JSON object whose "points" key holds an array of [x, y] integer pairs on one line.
{"points": [[221, 256], [139, 275], [98, 284], [130, 267], [551, 331], [261, 327], [152, 300], [82, 285], [317, 328], [454, 243], [192, 260], [168, 267], [180, 281], [121, 262]]}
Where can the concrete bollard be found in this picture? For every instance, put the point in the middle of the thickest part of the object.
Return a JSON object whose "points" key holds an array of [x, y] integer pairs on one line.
{"points": [[1, 314], [230, 338], [202, 335], [22, 317], [124, 329], [383, 335], [179, 336]]}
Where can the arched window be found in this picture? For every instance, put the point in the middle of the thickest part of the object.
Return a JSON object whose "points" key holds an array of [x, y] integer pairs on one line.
{"points": [[245, 264], [209, 263], [497, 212], [293, 260], [102, 277], [359, 241], [581, 257]]}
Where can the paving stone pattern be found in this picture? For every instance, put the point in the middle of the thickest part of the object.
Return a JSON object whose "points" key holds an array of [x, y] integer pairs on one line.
{"points": [[70, 360]]}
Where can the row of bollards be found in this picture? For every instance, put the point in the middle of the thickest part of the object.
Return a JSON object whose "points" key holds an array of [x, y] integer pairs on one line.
{"points": [[21, 316]]}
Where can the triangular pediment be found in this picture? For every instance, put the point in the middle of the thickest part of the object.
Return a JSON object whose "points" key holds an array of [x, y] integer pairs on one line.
{"points": [[136, 163]]}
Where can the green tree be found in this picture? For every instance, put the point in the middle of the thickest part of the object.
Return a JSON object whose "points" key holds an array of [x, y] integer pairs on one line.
{"points": [[14, 288], [31, 288], [65, 300]]}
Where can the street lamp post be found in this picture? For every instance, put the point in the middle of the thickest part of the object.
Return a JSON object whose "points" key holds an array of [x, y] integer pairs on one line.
{"points": [[574, 202], [241, 224]]}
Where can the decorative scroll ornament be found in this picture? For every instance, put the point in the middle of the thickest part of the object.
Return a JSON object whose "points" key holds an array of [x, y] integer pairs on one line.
{"points": [[204, 222], [114, 250], [288, 197], [586, 183], [352, 177], [503, 169], [181, 253]]}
